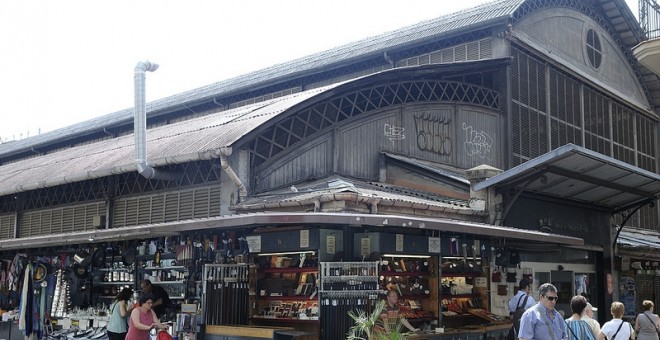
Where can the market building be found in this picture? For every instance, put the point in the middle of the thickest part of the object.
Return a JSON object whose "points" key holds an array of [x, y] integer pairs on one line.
{"points": [[445, 160]]}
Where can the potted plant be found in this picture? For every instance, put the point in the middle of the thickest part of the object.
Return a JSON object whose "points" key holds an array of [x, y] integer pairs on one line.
{"points": [[371, 327]]}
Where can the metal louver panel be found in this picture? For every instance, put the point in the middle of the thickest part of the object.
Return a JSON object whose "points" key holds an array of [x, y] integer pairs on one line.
{"points": [[7, 223], [61, 220], [473, 50], [199, 202]]}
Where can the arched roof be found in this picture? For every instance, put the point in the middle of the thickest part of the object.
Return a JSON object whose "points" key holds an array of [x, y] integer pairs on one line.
{"points": [[206, 137]]}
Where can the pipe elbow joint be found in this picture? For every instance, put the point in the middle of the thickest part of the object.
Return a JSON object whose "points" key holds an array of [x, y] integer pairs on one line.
{"points": [[145, 66]]}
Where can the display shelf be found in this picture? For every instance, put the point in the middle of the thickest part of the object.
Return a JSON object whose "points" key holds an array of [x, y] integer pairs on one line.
{"points": [[394, 273], [115, 283], [166, 268], [115, 269], [168, 282], [289, 270], [291, 320], [288, 298]]}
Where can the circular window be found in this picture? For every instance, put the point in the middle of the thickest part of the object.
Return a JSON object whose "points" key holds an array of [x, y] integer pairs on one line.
{"points": [[594, 49]]}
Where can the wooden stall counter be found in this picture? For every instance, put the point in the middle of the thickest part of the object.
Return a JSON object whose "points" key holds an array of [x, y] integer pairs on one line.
{"points": [[491, 332], [240, 332]]}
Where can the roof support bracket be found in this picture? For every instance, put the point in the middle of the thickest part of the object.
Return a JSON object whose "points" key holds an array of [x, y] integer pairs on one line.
{"points": [[627, 214], [497, 220]]}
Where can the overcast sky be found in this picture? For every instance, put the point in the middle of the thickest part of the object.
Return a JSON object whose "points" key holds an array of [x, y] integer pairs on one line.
{"points": [[67, 61]]}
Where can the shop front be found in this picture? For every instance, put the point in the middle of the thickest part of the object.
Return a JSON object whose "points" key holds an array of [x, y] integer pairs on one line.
{"points": [[575, 192]]}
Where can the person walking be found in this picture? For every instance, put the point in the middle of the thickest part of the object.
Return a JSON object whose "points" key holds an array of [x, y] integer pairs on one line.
{"points": [[579, 329], [542, 321], [143, 319], [616, 329], [647, 324], [524, 290], [588, 317], [119, 312]]}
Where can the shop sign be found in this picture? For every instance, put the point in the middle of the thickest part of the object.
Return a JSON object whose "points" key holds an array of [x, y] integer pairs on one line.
{"points": [[434, 245], [254, 243], [304, 239], [330, 242], [399, 242]]}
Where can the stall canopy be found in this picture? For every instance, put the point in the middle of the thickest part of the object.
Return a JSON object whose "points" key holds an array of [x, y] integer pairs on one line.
{"points": [[577, 174], [284, 219]]}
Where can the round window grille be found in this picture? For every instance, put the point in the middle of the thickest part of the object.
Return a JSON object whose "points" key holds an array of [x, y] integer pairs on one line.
{"points": [[594, 49]]}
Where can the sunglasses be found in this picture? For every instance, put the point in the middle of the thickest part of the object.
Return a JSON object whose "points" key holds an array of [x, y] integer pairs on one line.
{"points": [[551, 298]]}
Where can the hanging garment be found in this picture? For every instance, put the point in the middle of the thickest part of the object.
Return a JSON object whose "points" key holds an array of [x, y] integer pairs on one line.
{"points": [[15, 271]]}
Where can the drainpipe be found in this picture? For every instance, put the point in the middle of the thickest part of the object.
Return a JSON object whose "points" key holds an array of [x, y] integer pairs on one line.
{"points": [[140, 126], [224, 162]]}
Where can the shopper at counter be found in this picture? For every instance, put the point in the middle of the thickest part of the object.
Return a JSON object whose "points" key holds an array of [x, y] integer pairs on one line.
{"points": [[143, 319], [161, 298], [119, 312], [543, 321], [391, 311]]}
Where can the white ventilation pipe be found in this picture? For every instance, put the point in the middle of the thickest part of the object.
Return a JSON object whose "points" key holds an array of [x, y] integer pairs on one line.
{"points": [[140, 126], [223, 153]]}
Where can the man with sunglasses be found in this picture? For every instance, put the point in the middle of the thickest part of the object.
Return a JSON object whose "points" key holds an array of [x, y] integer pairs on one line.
{"points": [[543, 321]]}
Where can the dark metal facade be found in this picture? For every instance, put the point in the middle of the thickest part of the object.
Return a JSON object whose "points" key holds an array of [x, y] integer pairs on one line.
{"points": [[547, 113]]}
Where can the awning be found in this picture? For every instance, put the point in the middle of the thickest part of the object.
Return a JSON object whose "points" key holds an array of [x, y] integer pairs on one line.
{"points": [[282, 219], [574, 173], [639, 243]]}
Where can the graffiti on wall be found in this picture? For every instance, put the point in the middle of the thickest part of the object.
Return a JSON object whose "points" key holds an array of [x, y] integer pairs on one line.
{"points": [[394, 133], [478, 143], [433, 132]]}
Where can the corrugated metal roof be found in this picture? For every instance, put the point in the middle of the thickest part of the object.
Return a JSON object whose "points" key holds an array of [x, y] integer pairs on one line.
{"points": [[495, 12], [331, 187], [414, 34], [640, 239], [430, 167], [174, 143], [575, 173]]}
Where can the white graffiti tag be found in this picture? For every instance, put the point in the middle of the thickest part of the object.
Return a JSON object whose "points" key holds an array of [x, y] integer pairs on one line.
{"points": [[477, 143], [394, 133]]}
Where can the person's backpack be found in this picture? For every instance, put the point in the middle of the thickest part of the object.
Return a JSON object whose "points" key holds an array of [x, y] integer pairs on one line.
{"points": [[515, 317]]}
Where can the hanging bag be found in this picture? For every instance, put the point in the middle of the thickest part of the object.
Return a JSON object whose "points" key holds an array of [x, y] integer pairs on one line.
{"points": [[653, 323]]}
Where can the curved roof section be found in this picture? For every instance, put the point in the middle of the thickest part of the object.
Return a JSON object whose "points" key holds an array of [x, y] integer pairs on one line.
{"points": [[497, 12], [480, 16], [191, 140]]}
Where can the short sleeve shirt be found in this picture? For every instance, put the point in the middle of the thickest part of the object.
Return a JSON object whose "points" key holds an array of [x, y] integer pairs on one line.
{"points": [[536, 324]]}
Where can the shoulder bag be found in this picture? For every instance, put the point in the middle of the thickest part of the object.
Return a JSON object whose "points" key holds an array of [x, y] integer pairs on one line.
{"points": [[653, 323]]}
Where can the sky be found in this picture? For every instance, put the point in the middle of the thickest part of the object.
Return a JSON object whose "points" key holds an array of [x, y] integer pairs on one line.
{"points": [[63, 62]]}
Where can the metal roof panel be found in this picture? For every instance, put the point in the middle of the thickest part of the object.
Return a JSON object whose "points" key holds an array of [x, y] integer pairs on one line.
{"points": [[575, 173]]}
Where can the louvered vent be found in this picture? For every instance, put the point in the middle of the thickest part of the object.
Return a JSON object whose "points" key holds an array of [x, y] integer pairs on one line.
{"points": [[473, 50], [61, 220], [7, 223], [167, 207]]}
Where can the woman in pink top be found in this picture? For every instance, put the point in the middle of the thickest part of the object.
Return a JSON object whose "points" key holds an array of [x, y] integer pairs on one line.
{"points": [[143, 319]]}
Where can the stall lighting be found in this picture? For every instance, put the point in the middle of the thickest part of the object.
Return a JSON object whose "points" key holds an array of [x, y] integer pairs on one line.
{"points": [[459, 258], [410, 256], [288, 253]]}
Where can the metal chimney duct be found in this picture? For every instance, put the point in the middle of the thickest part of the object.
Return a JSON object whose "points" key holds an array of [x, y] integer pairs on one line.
{"points": [[140, 126]]}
